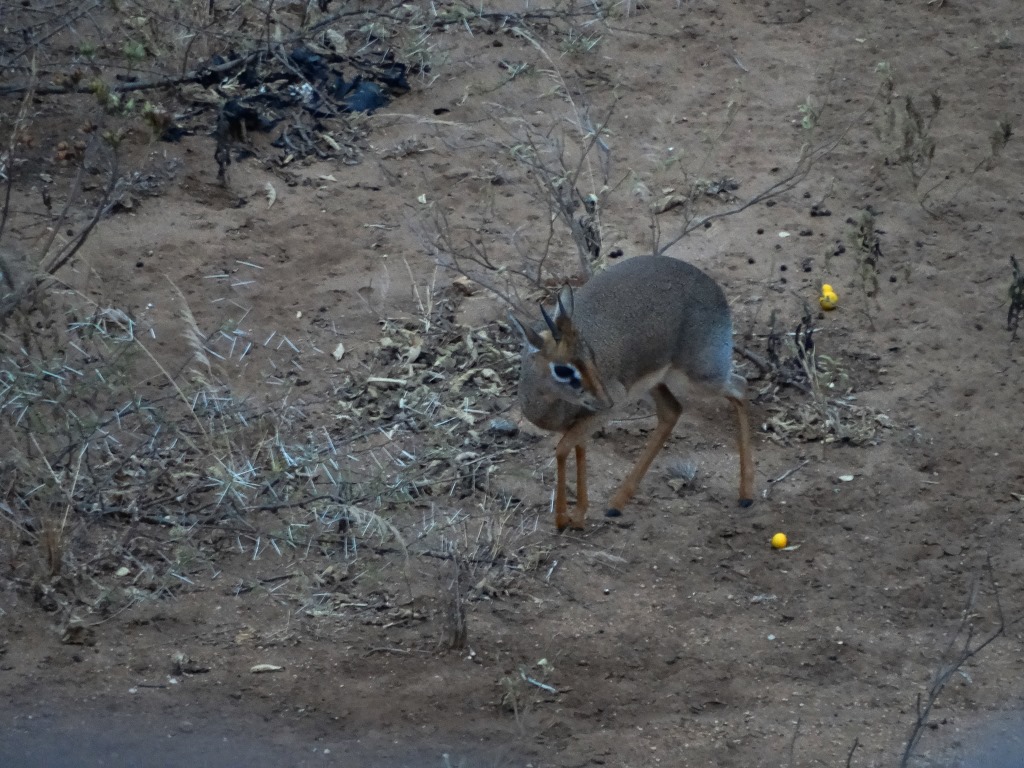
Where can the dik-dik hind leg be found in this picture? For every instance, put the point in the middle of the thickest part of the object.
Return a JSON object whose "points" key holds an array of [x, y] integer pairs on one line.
{"points": [[739, 405], [572, 439], [668, 410]]}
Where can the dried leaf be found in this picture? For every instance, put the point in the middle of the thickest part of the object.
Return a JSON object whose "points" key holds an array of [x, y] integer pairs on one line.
{"points": [[337, 40], [414, 350], [667, 203]]}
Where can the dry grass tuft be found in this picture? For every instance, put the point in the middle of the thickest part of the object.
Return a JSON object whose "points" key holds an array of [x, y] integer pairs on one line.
{"points": [[827, 409]]}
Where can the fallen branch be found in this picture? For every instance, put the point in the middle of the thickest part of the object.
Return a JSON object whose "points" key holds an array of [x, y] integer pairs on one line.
{"points": [[160, 82]]}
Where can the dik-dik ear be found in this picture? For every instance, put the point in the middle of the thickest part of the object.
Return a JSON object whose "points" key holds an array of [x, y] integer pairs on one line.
{"points": [[530, 337]]}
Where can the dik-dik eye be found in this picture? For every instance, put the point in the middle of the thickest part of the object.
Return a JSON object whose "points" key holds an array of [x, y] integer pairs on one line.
{"points": [[566, 374]]}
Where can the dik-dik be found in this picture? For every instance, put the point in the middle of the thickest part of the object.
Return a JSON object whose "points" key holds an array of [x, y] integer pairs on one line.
{"points": [[650, 324]]}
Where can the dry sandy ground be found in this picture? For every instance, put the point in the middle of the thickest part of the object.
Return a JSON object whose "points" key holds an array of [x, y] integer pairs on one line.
{"points": [[676, 636]]}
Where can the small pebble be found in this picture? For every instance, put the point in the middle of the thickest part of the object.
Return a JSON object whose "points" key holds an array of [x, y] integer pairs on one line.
{"points": [[503, 427]]}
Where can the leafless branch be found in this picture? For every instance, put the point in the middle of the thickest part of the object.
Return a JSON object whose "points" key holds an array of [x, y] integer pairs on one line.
{"points": [[8, 162], [808, 158], [55, 259], [141, 85], [473, 260], [960, 656], [849, 755], [65, 21], [799, 172]]}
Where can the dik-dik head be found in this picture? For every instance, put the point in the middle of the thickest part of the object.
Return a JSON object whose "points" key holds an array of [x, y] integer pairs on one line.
{"points": [[559, 378]]}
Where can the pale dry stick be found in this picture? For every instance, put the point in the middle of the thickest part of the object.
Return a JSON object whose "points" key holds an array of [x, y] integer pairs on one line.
{"points": [[538, 683], [775, 481], [587, 129], [385, 120], [382, 649], [132, 601], [736, 60], [426, 310]]}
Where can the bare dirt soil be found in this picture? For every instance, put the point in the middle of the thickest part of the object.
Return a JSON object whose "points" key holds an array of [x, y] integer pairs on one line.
{"points": [[463, 624]]}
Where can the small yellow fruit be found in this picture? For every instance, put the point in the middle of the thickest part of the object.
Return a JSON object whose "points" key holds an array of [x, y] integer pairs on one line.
{"points": [[828, 299], [779, 540]]}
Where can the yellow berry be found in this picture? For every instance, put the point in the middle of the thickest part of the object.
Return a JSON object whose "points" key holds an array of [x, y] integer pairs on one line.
{"points": [[779, 540], [828, 298]]}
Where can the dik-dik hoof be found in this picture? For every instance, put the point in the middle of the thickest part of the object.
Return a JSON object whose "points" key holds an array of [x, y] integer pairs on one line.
{"points": [[746, 502], [613, 512], [570, 523]]}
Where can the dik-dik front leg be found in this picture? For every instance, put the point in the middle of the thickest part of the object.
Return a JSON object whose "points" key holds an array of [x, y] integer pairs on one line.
{"points": [[573, 439]]}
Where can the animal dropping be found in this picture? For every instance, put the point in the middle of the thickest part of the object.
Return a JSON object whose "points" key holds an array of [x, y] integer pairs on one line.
{"points": [[650, 324]]}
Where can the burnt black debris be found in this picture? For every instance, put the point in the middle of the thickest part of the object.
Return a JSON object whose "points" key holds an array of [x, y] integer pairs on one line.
{"points": [[301, 93]]}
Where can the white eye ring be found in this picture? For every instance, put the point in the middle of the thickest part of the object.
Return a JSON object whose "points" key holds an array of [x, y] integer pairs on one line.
{"points": [[564, 373]]}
